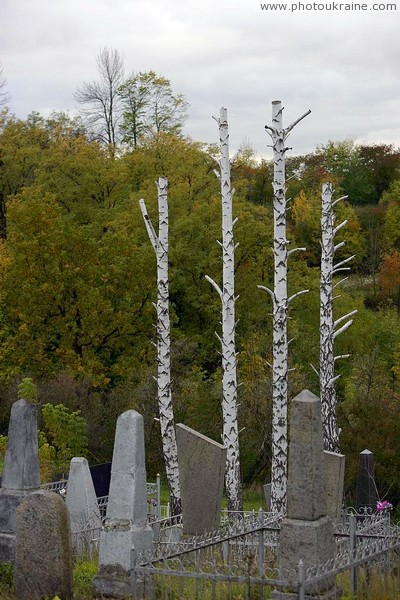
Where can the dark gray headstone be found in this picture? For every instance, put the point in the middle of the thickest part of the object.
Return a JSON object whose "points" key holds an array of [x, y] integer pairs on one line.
{"points": [[43, 555], [201, 472], [21, 471], [21, 465], [367, 496], [334, 464], [267, 496]]}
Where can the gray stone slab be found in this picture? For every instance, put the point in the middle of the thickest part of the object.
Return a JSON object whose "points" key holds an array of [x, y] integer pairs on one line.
{"points": [[307, 532], [267, 496], [306, 490], [367, 495], [21, 471], [125, 527], [201, 471], [21, 464], [334, 465], [43, 554], [81, 498]]}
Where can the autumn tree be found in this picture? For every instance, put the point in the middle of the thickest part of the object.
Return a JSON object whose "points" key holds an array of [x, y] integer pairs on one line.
{"points": [[389, 277], [101, 104], [149, 106], [4, 96]]}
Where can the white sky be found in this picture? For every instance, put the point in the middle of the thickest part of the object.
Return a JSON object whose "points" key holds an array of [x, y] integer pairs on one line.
{"points": [[342, 65]]}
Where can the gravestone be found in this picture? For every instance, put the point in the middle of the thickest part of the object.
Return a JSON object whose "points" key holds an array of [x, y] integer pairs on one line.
{"points": [[21, 473], [82, 504], [334, 464], [125, 527], [367, 496], [201, 472], [306, 532], [267, 496], [43, 554]]}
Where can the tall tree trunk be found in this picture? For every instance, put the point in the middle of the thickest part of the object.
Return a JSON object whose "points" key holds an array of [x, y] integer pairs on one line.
{"points": [[230, 434], [280, 307], [160, 245], [327, 322]]}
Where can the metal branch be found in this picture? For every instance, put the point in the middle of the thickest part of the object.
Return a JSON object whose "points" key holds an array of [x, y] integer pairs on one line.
{"points": [[341, 319], [296, 295], [289, 129], [342, 329], [149, 226], [215, 285]]}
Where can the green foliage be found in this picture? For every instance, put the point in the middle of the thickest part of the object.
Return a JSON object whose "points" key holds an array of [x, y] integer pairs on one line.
{"points": [[3, 446], [83, 575], [67, 432], [27, 390]]}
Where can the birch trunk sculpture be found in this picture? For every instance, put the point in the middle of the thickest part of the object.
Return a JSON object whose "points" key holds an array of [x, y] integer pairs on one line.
{"points": [[280, 302], [328, 326], [160, 246], [230, 435]]}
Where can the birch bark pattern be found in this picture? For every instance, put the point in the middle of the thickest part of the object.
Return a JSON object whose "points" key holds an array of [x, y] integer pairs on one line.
{"points": [[160, 246], [280, 302], [328, 326], [230, 435]]}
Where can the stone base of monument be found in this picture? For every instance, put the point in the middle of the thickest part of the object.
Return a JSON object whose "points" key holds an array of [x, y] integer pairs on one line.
{"points": [[309, 541], [9, 502], [117, 539]]}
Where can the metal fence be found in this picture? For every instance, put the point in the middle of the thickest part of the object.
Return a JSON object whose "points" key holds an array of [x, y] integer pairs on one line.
{"points": [[239, 562]]}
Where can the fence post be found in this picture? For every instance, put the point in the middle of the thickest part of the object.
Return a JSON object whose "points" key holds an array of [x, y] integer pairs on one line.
{"points": [[353, 546], [158, 497], [300, 576], [261, 547]]}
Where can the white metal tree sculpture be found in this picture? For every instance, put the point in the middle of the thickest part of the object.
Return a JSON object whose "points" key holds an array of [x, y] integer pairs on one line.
{"points": [[230, 435], [160, 246], [280, 302], [329, 328]]}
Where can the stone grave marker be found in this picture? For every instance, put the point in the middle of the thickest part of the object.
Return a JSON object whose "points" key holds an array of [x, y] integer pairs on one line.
{"points": [[201, 471], [334, 465], [21, 473], [43, 554], [306, 532], [126, 526], [267, 496], [367, 496], [82, 504]]}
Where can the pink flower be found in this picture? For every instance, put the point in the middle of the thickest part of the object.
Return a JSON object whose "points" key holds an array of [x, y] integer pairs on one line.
{"points": [[382, 505]]}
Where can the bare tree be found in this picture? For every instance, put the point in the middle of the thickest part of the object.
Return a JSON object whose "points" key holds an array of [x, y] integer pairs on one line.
{"points": [[280, 303], [230, 434], [160, 246], [101, 104], [329, 328], [4, 96]]}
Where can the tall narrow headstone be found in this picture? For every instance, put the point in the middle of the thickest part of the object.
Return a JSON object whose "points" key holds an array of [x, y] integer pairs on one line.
{"points": [[21, 471], [306, 532], [367, 496], [43, 554], [334, 464], [82, 504], [126, 527], [201, 471]]}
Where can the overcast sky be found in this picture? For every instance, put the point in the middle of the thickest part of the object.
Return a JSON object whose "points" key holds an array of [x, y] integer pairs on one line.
{"points": [[342, 65]]}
